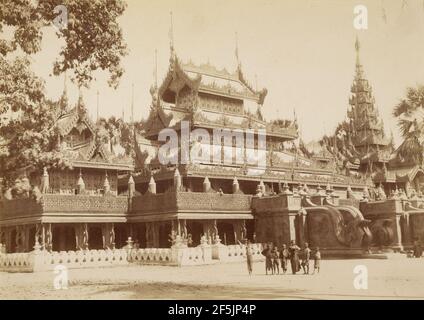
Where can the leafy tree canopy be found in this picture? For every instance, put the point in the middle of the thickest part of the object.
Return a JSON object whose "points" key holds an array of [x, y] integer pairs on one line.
{"points": [[410, 114], [93, 41]]}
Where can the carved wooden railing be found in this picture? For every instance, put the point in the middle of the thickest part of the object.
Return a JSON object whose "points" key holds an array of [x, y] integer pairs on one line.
{"points": [[19, 207], [213, 201], [84, 203], [172, 201], [57, 203]]}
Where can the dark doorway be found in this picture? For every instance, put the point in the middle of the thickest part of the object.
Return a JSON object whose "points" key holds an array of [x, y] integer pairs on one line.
{"points": [[139, 234], [250, 229], [95, 238], [121, 235], [13, 246], [31, 240], [63, 238], [70, 243], [195, 228], [164, 233], [226, 233]]}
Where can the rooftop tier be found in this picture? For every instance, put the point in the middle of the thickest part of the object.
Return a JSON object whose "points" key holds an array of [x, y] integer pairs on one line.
{"points": [[366, 126], [209, 98]]}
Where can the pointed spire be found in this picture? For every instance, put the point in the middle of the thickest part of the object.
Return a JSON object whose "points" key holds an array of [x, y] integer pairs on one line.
{"points": [[80, 103], [80, 183], [131, 186], [132, 103], [171, 37], [357, 48], [64, 98], [156, 68], [152, 185], [237, 52], [106, 184], [236, 186], [206, 185], [177, 179]]}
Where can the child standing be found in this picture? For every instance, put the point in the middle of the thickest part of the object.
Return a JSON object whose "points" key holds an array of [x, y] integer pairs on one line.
{"points": [[317, 260]]}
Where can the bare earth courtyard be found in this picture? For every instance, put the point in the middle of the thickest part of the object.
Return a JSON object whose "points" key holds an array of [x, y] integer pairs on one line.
{"points": [[393, 278]]}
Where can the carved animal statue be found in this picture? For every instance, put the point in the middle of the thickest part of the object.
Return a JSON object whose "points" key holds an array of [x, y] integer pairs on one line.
{"points": [[344, 223]]}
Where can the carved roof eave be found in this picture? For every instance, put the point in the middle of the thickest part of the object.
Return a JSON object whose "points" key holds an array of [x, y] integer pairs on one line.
{"points": [[102, 165], [75, 117], [410, 176], [261, 94], [176, 70]]}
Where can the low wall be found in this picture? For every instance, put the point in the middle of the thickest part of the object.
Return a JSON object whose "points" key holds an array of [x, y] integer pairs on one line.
{"points": [[39, 260], [236, 252]]}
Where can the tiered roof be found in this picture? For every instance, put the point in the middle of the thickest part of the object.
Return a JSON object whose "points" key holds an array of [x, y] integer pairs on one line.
{"points": [[89, 152], [366, 125]]}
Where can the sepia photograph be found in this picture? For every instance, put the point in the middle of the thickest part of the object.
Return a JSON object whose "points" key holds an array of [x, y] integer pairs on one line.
{"points": [[211, 151]]}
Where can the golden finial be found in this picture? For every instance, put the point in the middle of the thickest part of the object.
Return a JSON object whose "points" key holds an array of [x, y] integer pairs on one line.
{"points": [[357, 47]]}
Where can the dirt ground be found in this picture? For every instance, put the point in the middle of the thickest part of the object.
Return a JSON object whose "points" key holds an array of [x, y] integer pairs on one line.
{"points": [[394, 278]]}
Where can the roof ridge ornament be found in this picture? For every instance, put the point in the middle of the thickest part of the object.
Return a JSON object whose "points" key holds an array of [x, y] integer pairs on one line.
{"points": [[171, 37]]}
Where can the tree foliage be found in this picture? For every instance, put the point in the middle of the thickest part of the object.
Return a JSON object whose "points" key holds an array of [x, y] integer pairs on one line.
{"points": [[410, 114], [116, 131], [92, 41]]}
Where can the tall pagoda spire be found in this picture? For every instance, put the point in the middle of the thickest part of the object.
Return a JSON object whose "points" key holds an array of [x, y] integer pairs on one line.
{"points": [[366, 126]]}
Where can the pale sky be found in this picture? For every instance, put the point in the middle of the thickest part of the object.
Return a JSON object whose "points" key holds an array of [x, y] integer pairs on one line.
{"points": [[302, 51]]}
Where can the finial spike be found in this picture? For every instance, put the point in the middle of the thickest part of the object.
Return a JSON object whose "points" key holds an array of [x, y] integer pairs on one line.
{"points": [[357, 48], [171, 35], [156, 68], [236, 50], [132, 103]]}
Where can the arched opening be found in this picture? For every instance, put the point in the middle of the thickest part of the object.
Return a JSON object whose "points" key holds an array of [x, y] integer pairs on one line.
{"points": [[226, 232], [164, 232], [95, 237]]}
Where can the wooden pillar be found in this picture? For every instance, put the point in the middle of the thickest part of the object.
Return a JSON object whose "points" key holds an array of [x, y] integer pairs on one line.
{"points": [[292, 225], [43, 237]]}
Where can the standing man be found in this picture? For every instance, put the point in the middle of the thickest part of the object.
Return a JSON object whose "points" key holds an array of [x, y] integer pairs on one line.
{"points": [[417, 249], [249, 257], [275, 261], [294, 257], [306, 257], [268, 258], [284, 256]]}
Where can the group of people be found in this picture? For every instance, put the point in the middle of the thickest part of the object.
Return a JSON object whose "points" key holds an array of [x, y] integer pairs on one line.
{"points": [[274, 257]]}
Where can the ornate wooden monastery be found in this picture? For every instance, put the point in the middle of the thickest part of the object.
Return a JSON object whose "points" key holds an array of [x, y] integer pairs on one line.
{"points": [[328, 195]]}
